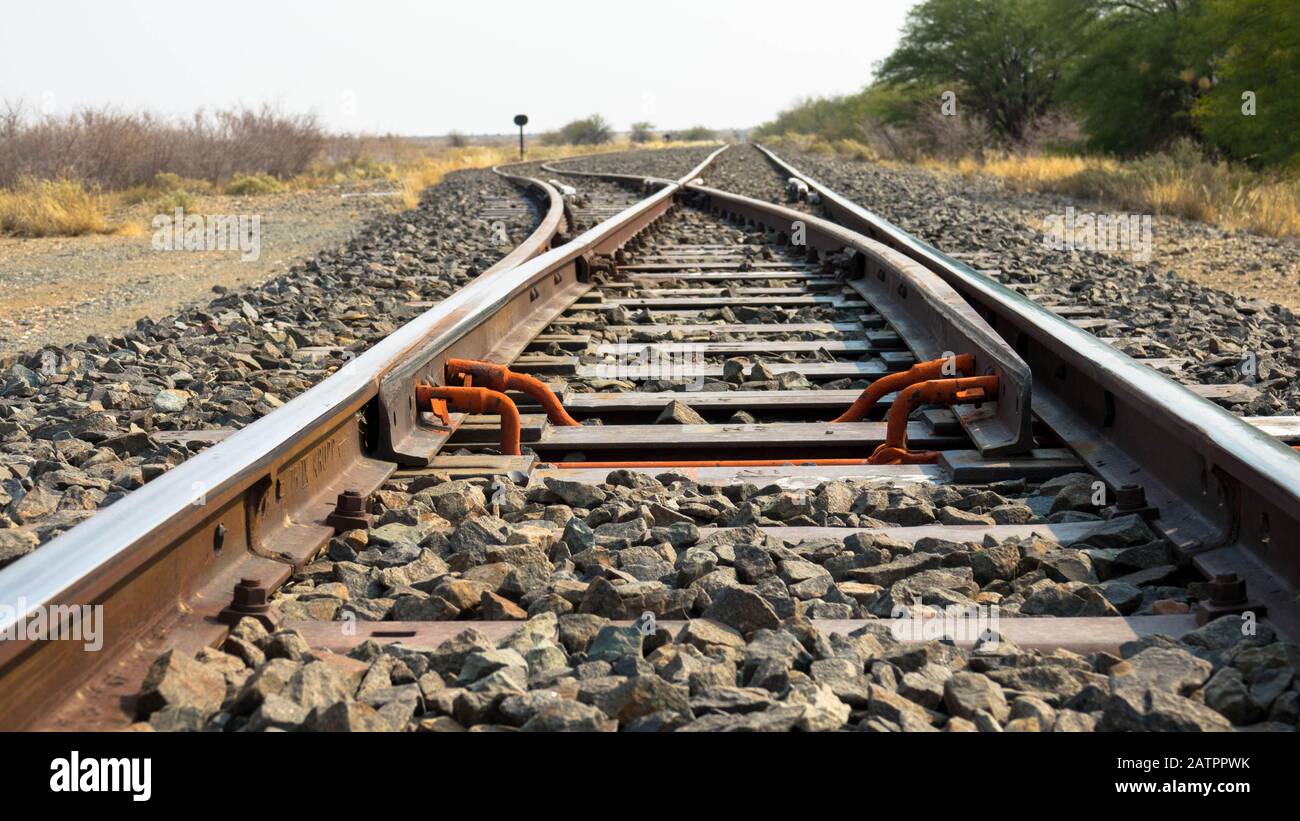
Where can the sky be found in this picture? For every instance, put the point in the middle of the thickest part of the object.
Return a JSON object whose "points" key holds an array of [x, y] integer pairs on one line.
{"points": [[425, 68]]}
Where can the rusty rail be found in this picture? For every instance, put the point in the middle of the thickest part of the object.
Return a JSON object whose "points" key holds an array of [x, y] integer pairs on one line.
{"points": [[166, 560], [926, 311], [1227, 494]]}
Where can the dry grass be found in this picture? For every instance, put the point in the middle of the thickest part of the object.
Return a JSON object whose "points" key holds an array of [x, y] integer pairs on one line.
{"points": [[1180, 183], [810, 144], [44, 208], [69, 208]]}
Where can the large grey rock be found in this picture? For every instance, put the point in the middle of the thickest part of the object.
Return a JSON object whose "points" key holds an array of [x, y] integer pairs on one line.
{"points": [[317, 685], [565, 715], [639, 696], [705, 633], [1133, 709], [176, 680], [576, 494], [449, 657], [276, 713], [15, 543], [1228, 693], [677, 412], [965, 693], [481, 663], [614, 643], [1163, 668], [742, 609], [822, 709]]}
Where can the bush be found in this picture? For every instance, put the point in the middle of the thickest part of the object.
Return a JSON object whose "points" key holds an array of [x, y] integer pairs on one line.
{"points": [[45, 208], [253, 185], [697, 133], [593, 130], [167, 182], [176, 198], [642, 132], [116, 150]]}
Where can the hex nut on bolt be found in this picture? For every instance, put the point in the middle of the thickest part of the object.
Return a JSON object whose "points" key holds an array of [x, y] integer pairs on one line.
{"points": [[250, 600], [349, 512], [1131, 500], [1227, 598]]}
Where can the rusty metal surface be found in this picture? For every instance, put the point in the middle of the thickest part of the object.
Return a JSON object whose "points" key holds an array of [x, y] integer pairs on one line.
{"points": [[165, 560], [1228, 494], [479, 316], [503, 315], [930, 316]]}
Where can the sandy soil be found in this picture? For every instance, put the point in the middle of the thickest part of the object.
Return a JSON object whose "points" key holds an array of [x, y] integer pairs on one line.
{"points": [[56, 290]]}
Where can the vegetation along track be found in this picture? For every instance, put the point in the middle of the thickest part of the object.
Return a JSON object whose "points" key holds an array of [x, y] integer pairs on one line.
{"points": [[771, 443]]}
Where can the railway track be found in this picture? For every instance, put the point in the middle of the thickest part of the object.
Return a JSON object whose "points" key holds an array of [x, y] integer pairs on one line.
{"points": [[731, 459]]}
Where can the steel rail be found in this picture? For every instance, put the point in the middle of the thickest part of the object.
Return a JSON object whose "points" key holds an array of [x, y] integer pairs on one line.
{"points": [[164, 561], [515, 318], [927, 312], [628, 179], [1228, 494]]}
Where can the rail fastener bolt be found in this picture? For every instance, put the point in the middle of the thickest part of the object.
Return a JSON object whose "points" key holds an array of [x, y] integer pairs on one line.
{"points": [[349, 512], [249, 601], [1227, 597], [1131, 499]]}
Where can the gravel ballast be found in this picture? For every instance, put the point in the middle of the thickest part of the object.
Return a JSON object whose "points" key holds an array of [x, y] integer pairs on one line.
{"points": [[668, 163], [581, 673], [568, 561], [79, 424]]}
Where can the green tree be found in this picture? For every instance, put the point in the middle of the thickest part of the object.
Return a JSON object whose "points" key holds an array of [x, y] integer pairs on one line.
{"points": [[592, 130], [642, 132], [1256, 48], [1002, 58], [697, 133], [843, 117], [1136, 74]]}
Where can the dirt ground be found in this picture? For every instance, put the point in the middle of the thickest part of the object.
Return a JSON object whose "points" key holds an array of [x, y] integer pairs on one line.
{"points": [[1244, 264], [55, 290], [61, 289]]}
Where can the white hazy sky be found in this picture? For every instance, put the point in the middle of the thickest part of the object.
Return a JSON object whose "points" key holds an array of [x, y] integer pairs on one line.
{"points": [[430, 67]]}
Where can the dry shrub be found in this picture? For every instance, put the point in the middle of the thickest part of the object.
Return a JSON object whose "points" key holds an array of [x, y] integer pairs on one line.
{"points": [[117, 150], [1180, 182], [46, 208], [252, 185], [809, 144]]}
